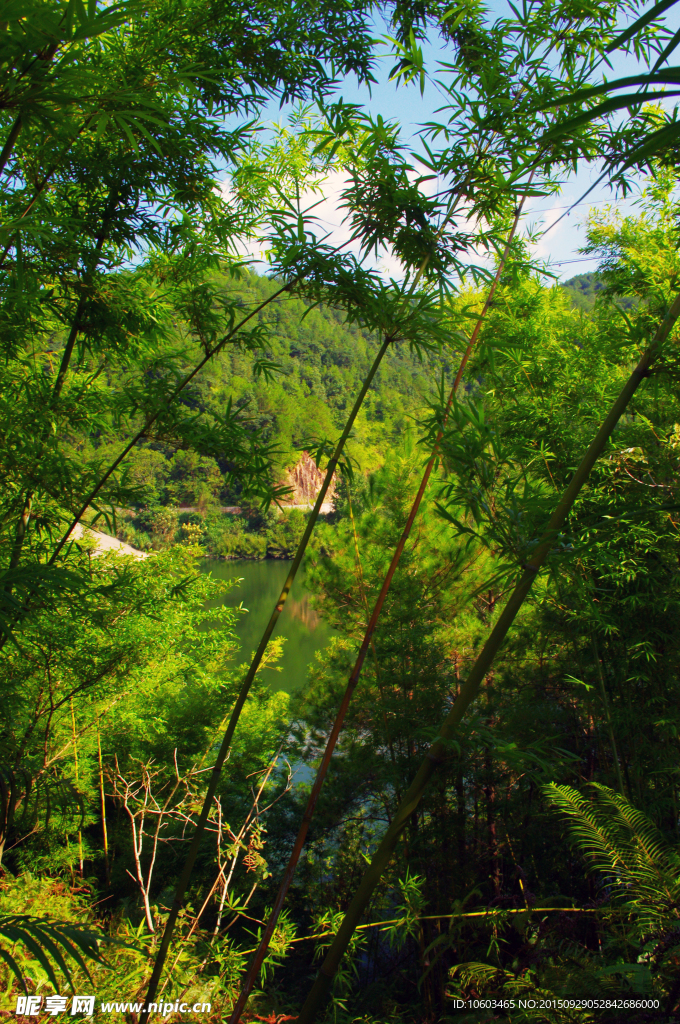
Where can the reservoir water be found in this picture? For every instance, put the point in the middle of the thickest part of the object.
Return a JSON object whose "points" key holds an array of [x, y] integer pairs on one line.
{"points": [[304, 631]]}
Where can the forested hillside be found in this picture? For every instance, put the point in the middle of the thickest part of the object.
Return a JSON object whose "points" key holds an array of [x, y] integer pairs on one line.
{"points": [[317, 362], [317, 365], [470, 812], [583, 290]]}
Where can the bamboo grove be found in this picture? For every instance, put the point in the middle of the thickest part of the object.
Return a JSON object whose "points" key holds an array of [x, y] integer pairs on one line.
{"points": [[471, 810]]}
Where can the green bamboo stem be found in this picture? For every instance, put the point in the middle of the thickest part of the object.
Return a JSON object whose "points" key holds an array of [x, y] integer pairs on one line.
{"points": [[185, 876], [607, 716], [254, 968], [9, 144], [437, 753], [75, 761], [102, 800], [490, 914]]}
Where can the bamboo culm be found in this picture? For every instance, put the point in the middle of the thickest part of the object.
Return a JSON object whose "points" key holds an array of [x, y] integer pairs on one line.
{"points": [[437, 753], [185, 876], [322, 771], [23, 521]]}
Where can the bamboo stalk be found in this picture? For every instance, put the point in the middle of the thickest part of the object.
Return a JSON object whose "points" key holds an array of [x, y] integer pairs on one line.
{"points": [[9, 144], [289, 874], [75, 759], [185, 876], [607, 715], [491, 914], [437, 753], [102, 798]]}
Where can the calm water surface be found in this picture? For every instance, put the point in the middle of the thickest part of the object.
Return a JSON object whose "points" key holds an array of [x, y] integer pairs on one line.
{"points": [[259, 589]]}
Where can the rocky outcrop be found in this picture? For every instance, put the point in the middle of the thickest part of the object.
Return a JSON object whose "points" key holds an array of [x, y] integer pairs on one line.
{"points": [[305, 480]]}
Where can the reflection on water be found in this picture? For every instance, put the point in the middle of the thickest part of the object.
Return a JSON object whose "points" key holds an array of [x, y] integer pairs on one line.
{"points": [[302, 611], [301, 625]]}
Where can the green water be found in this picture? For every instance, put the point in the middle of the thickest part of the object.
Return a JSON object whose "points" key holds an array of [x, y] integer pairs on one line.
{"points": [[300, 624]]}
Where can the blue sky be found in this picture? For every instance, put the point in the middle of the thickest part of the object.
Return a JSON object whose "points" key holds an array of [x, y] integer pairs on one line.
{"points": [[406, 105]]}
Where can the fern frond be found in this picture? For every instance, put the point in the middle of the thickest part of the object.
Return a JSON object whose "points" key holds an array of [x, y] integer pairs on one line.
{"points": [[480, 973], [589, 832], [622, 844], [649, 840], [51, 943]]}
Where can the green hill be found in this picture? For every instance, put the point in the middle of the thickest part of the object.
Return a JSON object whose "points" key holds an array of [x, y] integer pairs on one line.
{"points": [[320, 366], [583, 290]]}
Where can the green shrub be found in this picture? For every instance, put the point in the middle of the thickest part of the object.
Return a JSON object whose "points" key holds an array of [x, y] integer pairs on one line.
{"points": [[244, 545]]}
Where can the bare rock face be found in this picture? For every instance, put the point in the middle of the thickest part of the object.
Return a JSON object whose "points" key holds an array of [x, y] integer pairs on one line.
{"points": [[305, 479]]}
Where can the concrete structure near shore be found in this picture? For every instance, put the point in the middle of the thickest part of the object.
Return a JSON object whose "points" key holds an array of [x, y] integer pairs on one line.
{"points": [[326, 507], [104, 543]]}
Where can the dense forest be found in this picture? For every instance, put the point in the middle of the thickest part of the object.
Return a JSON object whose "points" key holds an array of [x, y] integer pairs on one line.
{"points": [[470, 812], [319, 364]]}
